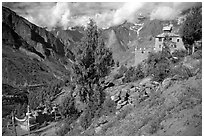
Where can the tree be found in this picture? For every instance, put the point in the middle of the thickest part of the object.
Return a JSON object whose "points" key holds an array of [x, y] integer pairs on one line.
{"points": [[159, 63], [191, 30], [67, 108], [93, 62]]}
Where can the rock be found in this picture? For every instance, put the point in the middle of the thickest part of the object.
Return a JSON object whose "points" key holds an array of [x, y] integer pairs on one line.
{"points": [[119, 102], [149, 84], [148, 91], [132, 90], [124, 103], [145, 80], [155, 83], [118, 107], [98, 129], [110, 84], [113, 97], [166, 83]]}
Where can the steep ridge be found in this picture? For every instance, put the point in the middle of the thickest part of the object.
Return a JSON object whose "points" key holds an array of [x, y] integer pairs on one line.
{"points": [[68, 37], [31, 56], [34, 36]]}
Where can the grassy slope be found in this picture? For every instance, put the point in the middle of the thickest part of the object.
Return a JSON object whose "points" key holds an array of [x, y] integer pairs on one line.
{"points": [[175, 111]]}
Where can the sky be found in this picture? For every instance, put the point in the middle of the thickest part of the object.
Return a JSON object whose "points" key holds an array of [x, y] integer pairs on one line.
{"points": [[105, 14]]}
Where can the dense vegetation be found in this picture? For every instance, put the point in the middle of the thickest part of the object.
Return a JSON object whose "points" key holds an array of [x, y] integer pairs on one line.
{"points": [[93, 62], [191, 30]]}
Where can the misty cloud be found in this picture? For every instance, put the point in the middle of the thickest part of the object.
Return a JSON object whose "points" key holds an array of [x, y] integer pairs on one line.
{"points": [[106, 14], [164, 13], [170, 11]]}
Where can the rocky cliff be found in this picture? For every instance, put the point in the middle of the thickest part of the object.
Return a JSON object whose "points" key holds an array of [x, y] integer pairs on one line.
{"points": [[33, 59]]}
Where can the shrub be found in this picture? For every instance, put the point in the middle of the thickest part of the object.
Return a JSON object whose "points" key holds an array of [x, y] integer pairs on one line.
{"points": [[68, 108], [124, 112], [117, 76], [86, 118], [21, 109], [93, 108], [197, 54], [117, 64], [122, 69], [121, 72], [139, 72], [181, 71], [158, 66], [180, 53], [133, 74], [65, 126], [129, 75], [108, 107]]}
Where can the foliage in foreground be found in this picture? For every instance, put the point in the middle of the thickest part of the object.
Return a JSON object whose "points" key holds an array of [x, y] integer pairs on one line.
{"points": [[133, 74], [93, 62]]}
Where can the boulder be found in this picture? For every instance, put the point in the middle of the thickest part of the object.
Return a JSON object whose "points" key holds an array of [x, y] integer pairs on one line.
{"points": [[133, 98], [132, 90], [148, 91], [113, 97], [98, 129], [145, 80], [166, 83]]}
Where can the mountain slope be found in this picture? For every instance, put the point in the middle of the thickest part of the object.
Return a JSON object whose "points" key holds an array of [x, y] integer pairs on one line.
{"points": [[32, 58]]}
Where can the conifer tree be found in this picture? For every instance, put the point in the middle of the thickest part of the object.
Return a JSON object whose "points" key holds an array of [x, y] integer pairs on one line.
{"points": [[93, 62]]}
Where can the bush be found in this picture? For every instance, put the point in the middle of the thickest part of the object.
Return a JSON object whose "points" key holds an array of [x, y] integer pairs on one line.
{"points": [[197, 54], [129, 75], [181, 71], [158, 66], [65, 127], [68, 108], [21, 109], [124, 112], [94, 106], [122, 69], [121, 72], [117, 64], [108, 107], [86, 118], [133, 74], [180, 53], [117, 76]]}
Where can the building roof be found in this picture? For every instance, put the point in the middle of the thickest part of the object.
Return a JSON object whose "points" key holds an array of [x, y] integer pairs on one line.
{"points": [[167, 28], [167, 34]]}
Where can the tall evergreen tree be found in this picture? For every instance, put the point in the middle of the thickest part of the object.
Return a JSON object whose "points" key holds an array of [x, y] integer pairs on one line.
{"points": [[93, 63]]}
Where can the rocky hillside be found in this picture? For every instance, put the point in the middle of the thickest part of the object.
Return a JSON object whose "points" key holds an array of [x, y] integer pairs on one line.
{"points": [[68, 37], [31, 56], [148, 108], [28, 48]]}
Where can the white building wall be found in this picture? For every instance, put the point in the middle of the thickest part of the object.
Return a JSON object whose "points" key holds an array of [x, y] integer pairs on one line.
{"points": [[179, 44], [159, 44]]}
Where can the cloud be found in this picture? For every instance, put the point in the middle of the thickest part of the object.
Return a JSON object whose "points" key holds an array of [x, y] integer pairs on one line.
{"points": [[126, 12], [170, 11], [106, 14], [164, 13]]}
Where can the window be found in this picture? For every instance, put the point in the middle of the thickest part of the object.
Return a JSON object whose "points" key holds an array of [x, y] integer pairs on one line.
{"points": [[159, 46], [170, 38], [177, 40], [160, 39], [174, 46]]}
